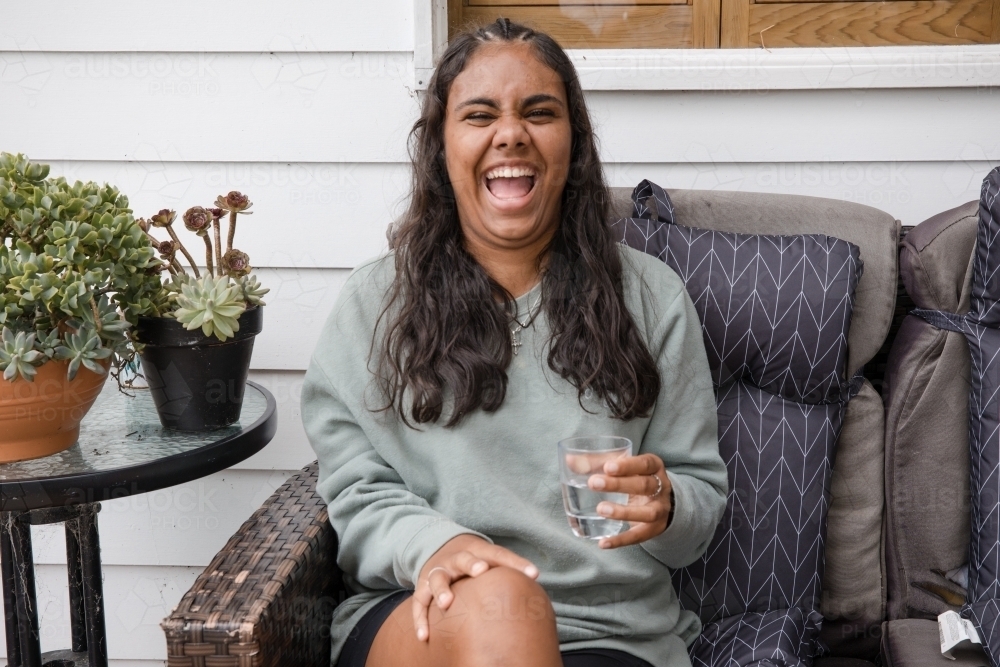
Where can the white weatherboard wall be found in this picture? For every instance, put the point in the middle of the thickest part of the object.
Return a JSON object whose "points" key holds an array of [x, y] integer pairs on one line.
{"points": [[305, 106]]}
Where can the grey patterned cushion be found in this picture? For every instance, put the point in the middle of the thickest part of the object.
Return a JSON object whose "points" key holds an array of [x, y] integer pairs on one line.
{"points": [[771, 639], [775, 309], [775, 314]]}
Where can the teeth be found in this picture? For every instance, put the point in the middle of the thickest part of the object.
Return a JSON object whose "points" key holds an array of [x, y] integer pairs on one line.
{"points": [[509, 172]]}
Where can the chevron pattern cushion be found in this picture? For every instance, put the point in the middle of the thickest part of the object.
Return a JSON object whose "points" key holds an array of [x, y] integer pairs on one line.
{"points": [[775, 314], [770, 639]]}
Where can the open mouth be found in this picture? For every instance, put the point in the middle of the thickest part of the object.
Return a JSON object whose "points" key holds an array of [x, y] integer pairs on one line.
{"points": [[510, 182]]}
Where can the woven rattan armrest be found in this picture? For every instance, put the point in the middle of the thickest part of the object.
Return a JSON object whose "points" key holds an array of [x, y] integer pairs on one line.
{"points": [[267, 598]]}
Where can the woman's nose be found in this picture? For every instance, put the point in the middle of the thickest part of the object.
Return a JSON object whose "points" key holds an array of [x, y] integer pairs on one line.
{"points": [[510, 132]]}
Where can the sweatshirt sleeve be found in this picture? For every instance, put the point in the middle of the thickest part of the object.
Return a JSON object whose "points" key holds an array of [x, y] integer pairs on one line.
{"points": [[683, 431], [386, 532]]}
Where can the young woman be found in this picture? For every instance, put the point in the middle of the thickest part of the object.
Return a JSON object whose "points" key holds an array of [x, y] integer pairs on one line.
{"points": [[507, 319]]}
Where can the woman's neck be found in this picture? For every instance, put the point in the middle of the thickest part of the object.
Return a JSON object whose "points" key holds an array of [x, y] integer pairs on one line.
{"points": [[515, 271]]}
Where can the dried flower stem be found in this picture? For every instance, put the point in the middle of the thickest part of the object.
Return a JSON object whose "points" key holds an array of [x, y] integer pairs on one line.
{"points": [[217, 228], [208, 255], [190, 259], [97, 315], [232, 230]]}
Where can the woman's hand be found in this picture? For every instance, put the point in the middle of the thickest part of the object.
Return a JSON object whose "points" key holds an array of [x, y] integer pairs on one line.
{"points": [[645, 479], [460, 557]]}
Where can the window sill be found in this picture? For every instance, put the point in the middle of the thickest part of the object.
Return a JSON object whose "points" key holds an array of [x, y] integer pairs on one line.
{"points": [[782, 69], [789, 69]]}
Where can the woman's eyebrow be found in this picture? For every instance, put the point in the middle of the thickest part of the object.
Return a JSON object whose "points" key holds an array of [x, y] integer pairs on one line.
{"points": [[540, 98], [475, 101]]}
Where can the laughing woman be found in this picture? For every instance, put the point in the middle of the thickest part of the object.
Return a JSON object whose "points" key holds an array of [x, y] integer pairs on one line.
{"points": [[507, 319]]}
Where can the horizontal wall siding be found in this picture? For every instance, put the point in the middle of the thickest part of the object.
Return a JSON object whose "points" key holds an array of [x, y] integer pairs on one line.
{"points": [[194, 25], [300, 107]]}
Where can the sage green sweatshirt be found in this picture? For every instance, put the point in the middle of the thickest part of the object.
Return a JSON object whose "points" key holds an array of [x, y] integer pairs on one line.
{"points": [[397, 494]]}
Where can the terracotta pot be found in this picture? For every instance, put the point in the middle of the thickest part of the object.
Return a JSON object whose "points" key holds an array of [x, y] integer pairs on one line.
{"points": [[43, 417]]}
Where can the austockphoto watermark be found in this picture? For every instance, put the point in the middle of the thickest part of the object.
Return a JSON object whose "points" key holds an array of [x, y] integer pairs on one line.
{"points": [[376, 66], [283, 175], [168, 75], [192, 498], [141, 65], [891, 175]]}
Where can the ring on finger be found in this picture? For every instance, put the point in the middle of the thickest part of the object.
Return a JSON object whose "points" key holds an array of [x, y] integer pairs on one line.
{"points": [[439, 567], [659, 487]]}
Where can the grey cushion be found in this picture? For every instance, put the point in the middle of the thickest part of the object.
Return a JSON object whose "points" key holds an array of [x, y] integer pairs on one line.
{"points": [[926, 465], [872, 230], [916, 643], [853, 588], [935, 259], [926, 394]]}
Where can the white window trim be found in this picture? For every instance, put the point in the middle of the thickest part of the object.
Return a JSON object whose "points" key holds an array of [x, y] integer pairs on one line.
{"points": [[744, 69]]}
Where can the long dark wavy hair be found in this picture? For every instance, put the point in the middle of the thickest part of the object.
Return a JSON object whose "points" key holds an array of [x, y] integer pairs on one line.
{"points": [[448, 322]]}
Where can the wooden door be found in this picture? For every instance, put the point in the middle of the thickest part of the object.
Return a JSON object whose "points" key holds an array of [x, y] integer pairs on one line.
{"points": [[597, 24], [777, 23]]}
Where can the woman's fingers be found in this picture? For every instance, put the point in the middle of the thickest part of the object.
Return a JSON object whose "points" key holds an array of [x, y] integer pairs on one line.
{"points": [[649, 513], [422, 598], [498, 556], [470, 564], [436, 585], [634, 535], [644, 464], [634, 485]]}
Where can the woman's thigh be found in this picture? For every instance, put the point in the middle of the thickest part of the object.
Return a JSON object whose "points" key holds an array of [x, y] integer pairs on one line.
{"points": [[499, 617]]}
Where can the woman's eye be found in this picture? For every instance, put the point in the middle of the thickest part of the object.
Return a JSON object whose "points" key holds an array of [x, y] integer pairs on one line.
{"points": [[540, 113], [478, 116]]}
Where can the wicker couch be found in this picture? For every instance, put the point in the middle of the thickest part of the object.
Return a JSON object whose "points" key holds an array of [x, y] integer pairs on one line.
{"points": [[267, 598]]}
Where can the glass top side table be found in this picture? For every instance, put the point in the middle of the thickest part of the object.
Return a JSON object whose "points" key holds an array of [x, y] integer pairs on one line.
{"points": [[122, 451]]}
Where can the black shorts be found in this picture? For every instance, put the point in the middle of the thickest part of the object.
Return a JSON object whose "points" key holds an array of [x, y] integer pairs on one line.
{"points": [[359, 642]]}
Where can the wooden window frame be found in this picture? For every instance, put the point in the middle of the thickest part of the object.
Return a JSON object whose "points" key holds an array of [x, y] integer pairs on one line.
{"points": [[751, 69]]}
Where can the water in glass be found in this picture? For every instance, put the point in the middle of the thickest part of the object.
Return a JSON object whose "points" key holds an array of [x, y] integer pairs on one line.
{"points": [[579, 458]]}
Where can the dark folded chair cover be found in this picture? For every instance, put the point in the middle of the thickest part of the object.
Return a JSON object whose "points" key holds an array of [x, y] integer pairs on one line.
{"points": [[981, 326]]}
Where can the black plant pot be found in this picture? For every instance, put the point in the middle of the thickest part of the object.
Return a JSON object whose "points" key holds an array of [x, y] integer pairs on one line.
{"points": [[196, 381]]}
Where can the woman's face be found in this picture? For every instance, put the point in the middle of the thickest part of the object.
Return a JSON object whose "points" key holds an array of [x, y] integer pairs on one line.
{"points": [[507, 141]]}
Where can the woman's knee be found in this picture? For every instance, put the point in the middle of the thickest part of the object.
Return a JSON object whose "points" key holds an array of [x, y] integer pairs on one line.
{"points": [[503, 595]]}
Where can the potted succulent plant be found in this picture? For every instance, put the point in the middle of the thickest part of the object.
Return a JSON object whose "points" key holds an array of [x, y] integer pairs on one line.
{"points": [[196, 340], [76, 270]]}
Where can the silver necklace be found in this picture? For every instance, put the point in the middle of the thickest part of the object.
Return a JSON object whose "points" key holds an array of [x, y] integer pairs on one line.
{"points": [[515, 333]]}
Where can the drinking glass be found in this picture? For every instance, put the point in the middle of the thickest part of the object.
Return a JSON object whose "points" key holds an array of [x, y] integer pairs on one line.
{"points": [[579, 458]]}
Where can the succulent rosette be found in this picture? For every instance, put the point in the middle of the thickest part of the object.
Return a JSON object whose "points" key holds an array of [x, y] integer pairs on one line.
{"points": [[212, 301]]}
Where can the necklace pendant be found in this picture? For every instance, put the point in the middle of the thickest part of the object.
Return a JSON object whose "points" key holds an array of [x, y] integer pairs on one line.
{"points": [[515, 342]]}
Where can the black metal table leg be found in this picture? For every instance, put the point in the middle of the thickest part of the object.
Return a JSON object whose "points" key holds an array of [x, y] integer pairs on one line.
{"points": [[74, 569], [23, 563], [93, 587], [9, 591]]}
